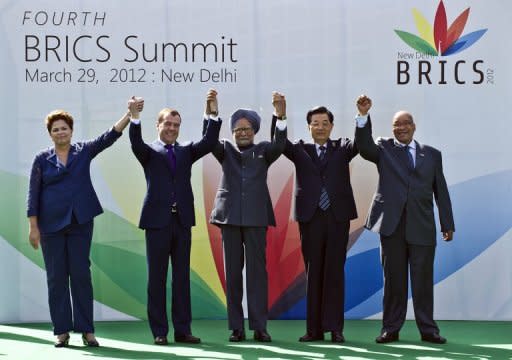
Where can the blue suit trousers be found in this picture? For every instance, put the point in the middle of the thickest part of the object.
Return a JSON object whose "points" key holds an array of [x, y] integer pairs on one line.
{"points": [[66, 257]]}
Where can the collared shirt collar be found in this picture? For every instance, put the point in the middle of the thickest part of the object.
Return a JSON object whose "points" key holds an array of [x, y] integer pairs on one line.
{"points": [[162, 143], [412, 144], [317, 146]]}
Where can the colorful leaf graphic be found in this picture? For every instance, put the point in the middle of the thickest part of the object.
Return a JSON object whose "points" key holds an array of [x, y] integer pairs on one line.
{"points": [[212, 173], [440, 28], [117, 256], [441, 40], [464, 42], [424, 28], [416, 42], [456, 29]]}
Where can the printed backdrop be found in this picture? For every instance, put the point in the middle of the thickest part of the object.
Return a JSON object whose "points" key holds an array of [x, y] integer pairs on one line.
{"points": [[448, 62]]}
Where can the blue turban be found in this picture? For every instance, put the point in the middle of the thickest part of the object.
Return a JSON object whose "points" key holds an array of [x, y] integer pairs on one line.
{"points": [[250, 115]]}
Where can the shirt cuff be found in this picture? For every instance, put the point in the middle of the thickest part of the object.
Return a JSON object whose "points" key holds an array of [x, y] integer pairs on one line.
{"points": [[135, 121], [361, 120], [211, 117], [281, 124]]}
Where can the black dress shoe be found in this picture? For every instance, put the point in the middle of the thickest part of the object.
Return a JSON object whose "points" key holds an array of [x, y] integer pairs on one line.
{"points": [[262, 336], [337, 337], [311, 337], [237, 336], [386, 337], [161, 340], [433, 338], [62, 342], [189, 339], [91, 342]]}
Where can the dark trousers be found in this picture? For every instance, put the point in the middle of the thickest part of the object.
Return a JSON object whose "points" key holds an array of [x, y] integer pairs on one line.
{"points": [[172, 241], [66, 258], [253, 239], [399, 256], [324, 248]]}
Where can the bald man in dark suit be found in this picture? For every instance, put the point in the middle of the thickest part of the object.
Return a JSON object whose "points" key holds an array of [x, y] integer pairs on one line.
{"points": [[410, 178]]}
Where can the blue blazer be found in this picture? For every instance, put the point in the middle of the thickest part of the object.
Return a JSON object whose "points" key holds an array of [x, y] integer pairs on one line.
{"points": [[162, 183], [57, 193]]}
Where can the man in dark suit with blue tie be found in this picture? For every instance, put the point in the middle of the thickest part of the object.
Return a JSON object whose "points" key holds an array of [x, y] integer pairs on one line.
{"points": [[402, 212], [168, 215], [324, 205]]}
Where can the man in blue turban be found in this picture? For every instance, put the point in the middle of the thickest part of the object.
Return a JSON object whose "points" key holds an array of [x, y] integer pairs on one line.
{"points": [[250, 115]]}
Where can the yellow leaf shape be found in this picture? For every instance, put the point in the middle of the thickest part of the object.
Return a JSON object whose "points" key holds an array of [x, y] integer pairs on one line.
{"points": [[424, 27]]}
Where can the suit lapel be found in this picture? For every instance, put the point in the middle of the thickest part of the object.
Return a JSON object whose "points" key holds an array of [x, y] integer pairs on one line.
{"points": [[332, 145], [52, 157], [73, 152], [400, 155], [311, 150], [420, 155]]}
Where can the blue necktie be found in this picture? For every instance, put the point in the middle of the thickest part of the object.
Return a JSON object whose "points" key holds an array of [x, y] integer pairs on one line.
{"points": [[324, 201], [410, 162], [171, 157]]}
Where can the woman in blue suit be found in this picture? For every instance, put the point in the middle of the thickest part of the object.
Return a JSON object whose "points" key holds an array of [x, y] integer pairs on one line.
{"points": [[61, 206]]}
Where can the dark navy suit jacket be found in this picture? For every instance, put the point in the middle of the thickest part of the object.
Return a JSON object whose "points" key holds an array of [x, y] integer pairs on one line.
{"points": [[162, 183], [310, 177], [243, 198], [400, 188], [56, 193]]}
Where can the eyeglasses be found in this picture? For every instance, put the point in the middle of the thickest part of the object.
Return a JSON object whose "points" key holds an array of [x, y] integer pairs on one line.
{"points": [[247, 130]]}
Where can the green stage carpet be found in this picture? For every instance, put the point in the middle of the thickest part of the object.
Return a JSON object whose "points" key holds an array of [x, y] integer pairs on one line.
{"points": [[132, 340]]}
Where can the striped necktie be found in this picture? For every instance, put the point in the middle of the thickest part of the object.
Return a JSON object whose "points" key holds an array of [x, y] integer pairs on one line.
{"points": [[323, 202]]}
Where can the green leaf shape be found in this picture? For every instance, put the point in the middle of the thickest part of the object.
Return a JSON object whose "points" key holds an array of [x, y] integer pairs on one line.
{"points": [[416, 43], [118, 256]]}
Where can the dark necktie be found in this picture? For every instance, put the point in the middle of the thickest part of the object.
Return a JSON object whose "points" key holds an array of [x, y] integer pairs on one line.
{"points": [[171, 157], [321, 157], [410, 160], [324, 201]]}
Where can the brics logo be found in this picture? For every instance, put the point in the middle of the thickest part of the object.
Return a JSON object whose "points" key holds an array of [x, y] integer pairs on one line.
{"points": [[433, 45], [440, 40]]}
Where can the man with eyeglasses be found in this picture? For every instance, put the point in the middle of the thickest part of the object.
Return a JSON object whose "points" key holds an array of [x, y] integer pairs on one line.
{"points": [[243, 211], [324, 205]]}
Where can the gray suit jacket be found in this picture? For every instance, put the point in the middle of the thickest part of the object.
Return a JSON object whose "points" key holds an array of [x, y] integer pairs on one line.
{"points": [[243, 198], [401, 188]]}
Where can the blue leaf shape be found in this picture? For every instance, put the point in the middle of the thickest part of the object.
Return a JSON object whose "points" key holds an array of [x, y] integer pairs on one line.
{"points": [[477, 228], [464, 42]]}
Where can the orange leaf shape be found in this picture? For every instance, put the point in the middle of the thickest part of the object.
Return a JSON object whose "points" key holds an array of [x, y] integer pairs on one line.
{"points": [[456, 28]]}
